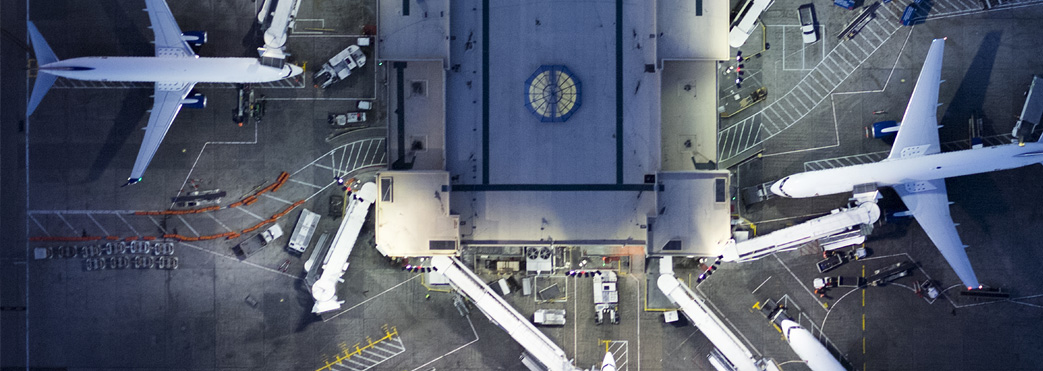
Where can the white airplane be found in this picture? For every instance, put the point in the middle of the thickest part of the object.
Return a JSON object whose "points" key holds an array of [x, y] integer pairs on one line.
{"points": [[609, 363], [175, 69], [917, 170]]}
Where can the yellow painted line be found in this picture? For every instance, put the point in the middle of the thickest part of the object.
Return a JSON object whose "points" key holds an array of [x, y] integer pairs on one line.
{"points": [[863, 345], [757, 306], [863, 321], [777, 328], [863, 297]]}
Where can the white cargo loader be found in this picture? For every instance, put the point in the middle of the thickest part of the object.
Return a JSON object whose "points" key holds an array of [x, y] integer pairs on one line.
{"points": [[339, 67]]}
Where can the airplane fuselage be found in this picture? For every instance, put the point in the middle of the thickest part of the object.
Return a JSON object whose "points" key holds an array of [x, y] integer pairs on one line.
{"points": [[168, 69], [899, 171]]}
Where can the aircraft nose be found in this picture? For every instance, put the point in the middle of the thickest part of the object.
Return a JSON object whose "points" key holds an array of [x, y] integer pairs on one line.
{"points": [[777, 189], [294, 70]]}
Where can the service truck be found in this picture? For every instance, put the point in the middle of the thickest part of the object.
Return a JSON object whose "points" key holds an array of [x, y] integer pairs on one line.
{"points": [[806, 15], [254, 244], [549, 317], [339, 67], [347, 120], [302, 233], [836, 258]]}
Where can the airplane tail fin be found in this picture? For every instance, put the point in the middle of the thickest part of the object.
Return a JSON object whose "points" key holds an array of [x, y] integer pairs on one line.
{"points": [[44, 56]]}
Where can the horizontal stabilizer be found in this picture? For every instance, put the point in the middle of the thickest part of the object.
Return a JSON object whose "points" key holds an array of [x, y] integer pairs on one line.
{"points": [[43, 83], [44, 55]]}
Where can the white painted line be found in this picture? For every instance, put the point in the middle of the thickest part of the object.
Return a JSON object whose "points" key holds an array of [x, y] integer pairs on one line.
{"points": [[762, 284], [353, 157], [458, 348], [31, 217], [67, 223], [720, 314], [835, 57], [320, 99], [317, 159], [801, 101], [722, 139], [359, 355], [746, 134], [164, 230], [738, 135], [374, 297], [333, 163], [243, 209], [777, 115], [135, 231], [833, 76], [334, 170], [200, 155], [277, 199], [211, 215], [824, 88], [365, 366], [342, 153], [230, 257], [307, 184], [790, 117], [830, 310], [851, 53], [810, 98], [859, 46], [879, 39], [298, 35], [185, 222], [813, 297], [75, 212], [812, 90], [802, 56], [98, 224], [891, 12], [361, 159]]}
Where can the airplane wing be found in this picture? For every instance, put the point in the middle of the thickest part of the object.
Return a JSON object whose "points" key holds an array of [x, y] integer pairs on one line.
{"points": [[169, 41], [929, 204], [918, 134], [166, 104]]}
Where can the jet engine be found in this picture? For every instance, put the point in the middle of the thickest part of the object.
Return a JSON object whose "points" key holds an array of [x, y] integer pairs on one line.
{"points": [[194, 100], [194, 38]]}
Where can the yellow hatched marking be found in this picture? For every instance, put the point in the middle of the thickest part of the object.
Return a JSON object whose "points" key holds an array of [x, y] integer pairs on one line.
{"points": [[348, 353]]}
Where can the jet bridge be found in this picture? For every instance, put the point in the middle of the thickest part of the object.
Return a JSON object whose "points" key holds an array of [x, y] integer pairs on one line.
{"points": [[324, 290], [715, 330], [1031, 112], [838, 229], [282, 19], [536, 344]]}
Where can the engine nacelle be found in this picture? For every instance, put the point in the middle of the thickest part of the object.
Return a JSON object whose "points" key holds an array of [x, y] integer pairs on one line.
{"points": [[194, 38], [194, 100]]}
